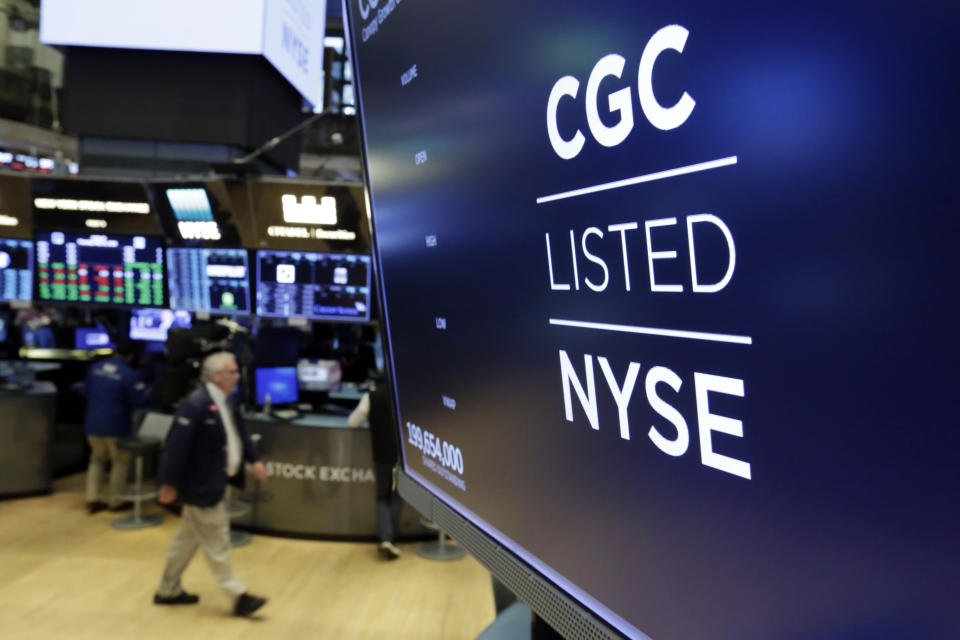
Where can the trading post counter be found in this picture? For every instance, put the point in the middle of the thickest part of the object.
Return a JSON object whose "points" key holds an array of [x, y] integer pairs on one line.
{"points": [[320, 480], [26, 439]]}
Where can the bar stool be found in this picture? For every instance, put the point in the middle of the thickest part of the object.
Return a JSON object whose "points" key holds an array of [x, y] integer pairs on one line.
{"points": [[138, 446], [441, 549], [237, 509]]}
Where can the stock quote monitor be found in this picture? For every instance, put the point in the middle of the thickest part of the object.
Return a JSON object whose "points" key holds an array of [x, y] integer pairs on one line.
{"points": [[320, 286], [16, 269], [670, 291], [100, 269], [213, 280]]}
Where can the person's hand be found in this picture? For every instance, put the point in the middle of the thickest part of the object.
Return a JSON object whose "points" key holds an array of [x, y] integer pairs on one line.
{"points": [[168, 493], [259, 470]]}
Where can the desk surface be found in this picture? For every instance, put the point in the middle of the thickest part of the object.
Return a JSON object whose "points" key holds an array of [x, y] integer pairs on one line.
{"points": [[325, 420], [8, 367], [347, 393], [35, 388]]}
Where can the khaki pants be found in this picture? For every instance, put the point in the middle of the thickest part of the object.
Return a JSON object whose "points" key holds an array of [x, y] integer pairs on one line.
{"points": [[101, 450], [207, 528]]}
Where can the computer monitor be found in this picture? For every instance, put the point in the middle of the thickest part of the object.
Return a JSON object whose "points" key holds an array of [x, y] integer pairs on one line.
{"points": [[212, 280], [320, 286], [670, 291], [99, 268], [280, 383], [318, 375], [89, 338], [16, 269], [153, 324]]}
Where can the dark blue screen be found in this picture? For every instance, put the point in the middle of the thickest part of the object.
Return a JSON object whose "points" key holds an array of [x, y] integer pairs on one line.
{"points": [[279, 382], [672, 305], [92, 338]]}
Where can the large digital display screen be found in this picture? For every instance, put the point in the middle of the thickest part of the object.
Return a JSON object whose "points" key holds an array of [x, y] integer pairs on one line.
{"points": [[670, 291], [213, 280], [16, 269], [288, 33], [100, 269], [324, 286]]}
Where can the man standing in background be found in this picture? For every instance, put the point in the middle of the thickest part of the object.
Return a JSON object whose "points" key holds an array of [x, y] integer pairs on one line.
{"points": [[113, 391], [375, 405]]}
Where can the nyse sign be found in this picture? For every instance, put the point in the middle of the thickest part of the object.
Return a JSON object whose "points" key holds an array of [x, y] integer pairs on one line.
{"points": [[600, 261]]}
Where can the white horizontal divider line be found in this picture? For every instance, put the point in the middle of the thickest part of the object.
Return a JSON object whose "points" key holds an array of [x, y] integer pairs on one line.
{"points": [[650, 177], [653, 331]]}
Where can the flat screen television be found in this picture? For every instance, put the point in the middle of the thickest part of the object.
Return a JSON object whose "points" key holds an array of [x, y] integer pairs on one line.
{"points": [[670, 292], [280, 383], [16, 269], [319, 375], [319, 286], [152, 325], [100, 269], [89, 338], [212, 280]]}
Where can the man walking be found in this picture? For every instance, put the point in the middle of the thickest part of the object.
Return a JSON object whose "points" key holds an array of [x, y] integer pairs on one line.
{"points": [[205, 449]]}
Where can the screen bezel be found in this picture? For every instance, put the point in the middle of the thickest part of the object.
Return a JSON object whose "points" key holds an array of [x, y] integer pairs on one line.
{"points": [[264, 314]]}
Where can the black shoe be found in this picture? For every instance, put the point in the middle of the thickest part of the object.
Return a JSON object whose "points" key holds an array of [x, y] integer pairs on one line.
{"points": [[94, 507], [123, 506], [247, 604], [182, 598]]}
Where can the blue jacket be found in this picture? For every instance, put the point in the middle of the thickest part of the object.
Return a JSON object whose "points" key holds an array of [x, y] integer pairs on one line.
{"points": [[195, 457], [113, 391]]}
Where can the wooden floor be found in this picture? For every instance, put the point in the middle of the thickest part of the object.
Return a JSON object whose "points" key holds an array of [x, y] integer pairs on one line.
{"points": [[65, 574]]}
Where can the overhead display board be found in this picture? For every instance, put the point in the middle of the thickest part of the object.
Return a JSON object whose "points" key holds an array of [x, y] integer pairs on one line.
{"points": [[16, 208], [299, 215], [671, 301], [16, 269], [320, 286], [211, 280], [289, 33], [100, 269], [104, 206], [197, 213]]}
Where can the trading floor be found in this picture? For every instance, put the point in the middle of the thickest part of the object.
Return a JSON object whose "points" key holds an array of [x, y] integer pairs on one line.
{"points": [[66, 574]]}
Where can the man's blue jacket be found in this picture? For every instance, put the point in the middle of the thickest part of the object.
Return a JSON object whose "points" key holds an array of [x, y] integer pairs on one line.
{"points": [[113, 391], [195, 457]]}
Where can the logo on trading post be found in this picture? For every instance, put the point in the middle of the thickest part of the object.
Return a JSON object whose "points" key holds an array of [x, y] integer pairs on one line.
{"points": [[308, 210]]}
